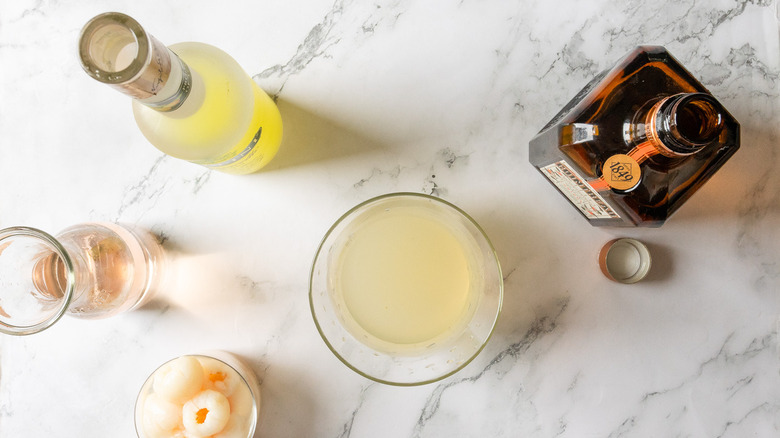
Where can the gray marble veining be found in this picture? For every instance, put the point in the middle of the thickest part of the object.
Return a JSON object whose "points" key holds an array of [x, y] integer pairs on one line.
{"points": [[394, 95]]}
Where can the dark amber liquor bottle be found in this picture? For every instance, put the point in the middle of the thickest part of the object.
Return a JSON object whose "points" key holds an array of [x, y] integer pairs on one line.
{"points": [[636, 142]]}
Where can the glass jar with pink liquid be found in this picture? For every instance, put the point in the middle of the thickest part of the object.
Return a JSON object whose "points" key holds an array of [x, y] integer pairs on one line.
{"points": [[89, 270]]}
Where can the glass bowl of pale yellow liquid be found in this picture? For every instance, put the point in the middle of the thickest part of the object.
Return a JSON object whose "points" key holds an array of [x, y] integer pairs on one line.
{"points": [[405, 289]]}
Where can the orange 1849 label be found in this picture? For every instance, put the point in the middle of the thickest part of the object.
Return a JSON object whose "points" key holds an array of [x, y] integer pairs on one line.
{"points": [[621, 172]]}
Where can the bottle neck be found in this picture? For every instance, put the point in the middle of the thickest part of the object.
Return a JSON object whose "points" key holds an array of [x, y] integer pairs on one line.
{"points": [[676, 126], [684, 124], [115, 50]]}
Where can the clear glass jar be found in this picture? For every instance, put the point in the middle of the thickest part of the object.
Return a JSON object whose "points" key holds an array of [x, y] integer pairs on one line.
{"points": [[90, 270]]}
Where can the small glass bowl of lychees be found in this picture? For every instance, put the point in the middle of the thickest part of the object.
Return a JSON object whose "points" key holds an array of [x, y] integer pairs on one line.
{"points": [[199, 396]]}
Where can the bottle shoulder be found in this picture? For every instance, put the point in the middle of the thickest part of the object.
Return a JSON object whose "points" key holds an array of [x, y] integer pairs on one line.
{"points": [[609, 105], [648, 73], [216, 114]]}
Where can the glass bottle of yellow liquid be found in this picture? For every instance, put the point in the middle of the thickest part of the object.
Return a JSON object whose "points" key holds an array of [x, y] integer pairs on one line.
{"points": [[190, 100]]}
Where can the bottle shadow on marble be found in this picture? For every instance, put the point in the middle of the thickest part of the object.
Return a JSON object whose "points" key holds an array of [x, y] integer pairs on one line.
{"points": [[311, 137], [199, 283]]}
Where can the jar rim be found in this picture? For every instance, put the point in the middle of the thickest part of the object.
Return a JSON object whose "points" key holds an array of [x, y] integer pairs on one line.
{"points": [[52, 243]]}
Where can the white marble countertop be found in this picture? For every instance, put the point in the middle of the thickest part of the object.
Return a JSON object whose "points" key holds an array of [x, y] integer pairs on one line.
{"points": [[434, 97]]}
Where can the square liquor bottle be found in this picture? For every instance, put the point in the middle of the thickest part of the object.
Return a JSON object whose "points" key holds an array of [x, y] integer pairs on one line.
{"points": [[636, 142]]}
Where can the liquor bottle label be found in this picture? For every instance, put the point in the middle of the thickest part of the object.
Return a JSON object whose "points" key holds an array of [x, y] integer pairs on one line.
{"points": [[579, 192], [621, 172]]}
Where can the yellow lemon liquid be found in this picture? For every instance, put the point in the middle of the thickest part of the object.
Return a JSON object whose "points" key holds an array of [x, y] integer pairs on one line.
{"points": [[227, 122], [404, 280]]}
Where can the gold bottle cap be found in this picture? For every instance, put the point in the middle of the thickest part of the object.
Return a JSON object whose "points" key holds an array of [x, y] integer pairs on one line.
{"points": [[621, 172], [625, 260]]}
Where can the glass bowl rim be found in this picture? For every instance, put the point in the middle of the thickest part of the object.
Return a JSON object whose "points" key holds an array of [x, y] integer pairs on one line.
{"points": [[494, 257]]}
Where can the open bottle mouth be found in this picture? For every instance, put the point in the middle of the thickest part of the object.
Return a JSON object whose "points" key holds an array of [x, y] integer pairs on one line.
{"points": [[114, 48], [689, 122], [36, 280]]}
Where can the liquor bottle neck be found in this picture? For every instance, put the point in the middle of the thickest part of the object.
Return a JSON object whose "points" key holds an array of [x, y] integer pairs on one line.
{"points": [[684, 124], [115, 50], [674, 127]]}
